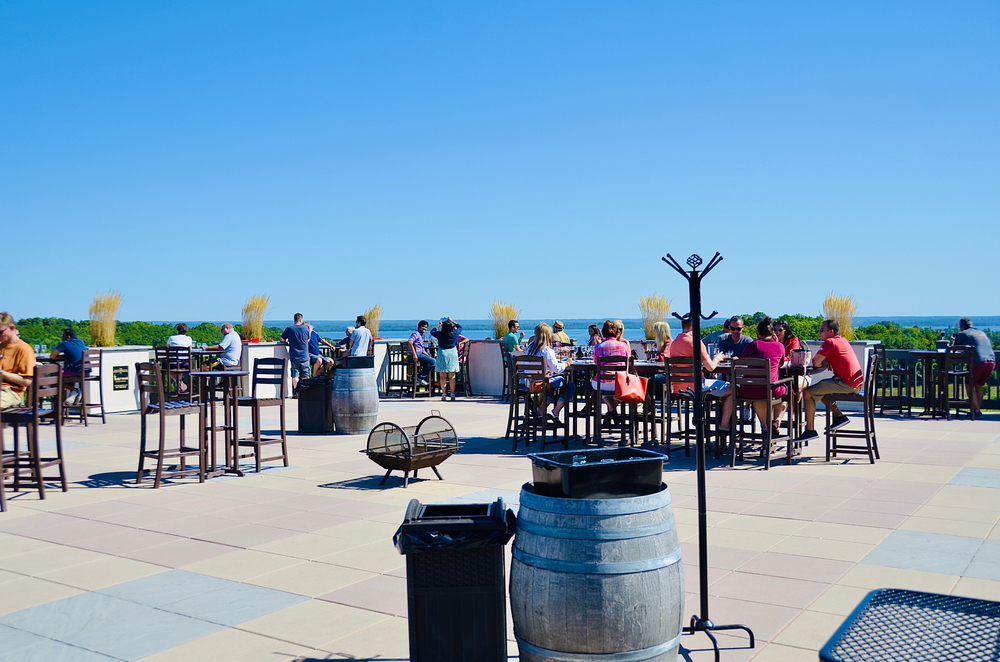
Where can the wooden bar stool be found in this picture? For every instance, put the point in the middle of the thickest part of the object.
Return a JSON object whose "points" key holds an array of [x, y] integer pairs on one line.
{"points": [[269, 372], [150, 379], [46, 384]]}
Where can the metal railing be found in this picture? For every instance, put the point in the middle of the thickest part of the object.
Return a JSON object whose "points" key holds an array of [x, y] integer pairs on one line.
{"points": [[902, 358]]}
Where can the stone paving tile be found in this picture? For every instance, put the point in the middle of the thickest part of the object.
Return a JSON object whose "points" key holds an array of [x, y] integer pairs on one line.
{"points": [[381, 593], [929, 552], [180, 553], [233, 644], [780, 591], [810, 630], [796, 567], [314, 623], [977, 477], [311, 579]]}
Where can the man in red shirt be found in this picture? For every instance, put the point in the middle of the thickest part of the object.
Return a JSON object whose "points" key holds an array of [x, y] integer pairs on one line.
{"points": [[838, 355]]}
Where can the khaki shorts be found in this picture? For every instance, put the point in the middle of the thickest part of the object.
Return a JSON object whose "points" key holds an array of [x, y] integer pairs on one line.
{"points": [[830, 386], [9, 399]]}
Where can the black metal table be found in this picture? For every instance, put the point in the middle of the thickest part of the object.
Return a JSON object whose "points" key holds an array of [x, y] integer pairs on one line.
{"points": [[894, 624], [231, 417]]}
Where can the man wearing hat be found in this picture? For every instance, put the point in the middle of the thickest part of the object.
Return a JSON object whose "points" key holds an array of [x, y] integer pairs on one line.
{"points": [[558, 335]]}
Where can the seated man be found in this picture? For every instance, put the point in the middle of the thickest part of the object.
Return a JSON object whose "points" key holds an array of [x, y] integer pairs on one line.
{"points": [[361, 339], [839, 356], [417, 349], [514, 336], [715, 336], [558, 335], [683, 346], [734, 343], [345, 342], [231, 347], [17, 364], [984, 361], [70, 351], [296, 337], [320, 363]]}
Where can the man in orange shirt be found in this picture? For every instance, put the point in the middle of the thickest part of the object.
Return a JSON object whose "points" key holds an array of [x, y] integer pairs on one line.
{"points": [[839, 356], [17, 364]]}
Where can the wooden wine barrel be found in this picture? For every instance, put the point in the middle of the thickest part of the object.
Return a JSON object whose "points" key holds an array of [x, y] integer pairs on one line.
{"points": [[355, 400], [596, 577]]}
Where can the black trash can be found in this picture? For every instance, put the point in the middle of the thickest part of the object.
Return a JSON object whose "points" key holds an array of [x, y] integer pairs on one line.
{"points": [[455, 585], [315, 397]]}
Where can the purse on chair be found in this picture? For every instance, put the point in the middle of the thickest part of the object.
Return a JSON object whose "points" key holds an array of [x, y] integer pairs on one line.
{"points": [[630, 388]]}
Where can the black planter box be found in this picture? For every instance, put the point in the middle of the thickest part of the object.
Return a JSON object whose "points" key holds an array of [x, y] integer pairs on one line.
{"points": [[597, 474]]}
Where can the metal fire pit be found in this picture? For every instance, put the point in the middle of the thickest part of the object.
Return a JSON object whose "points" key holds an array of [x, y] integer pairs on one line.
{"points": [[406, 449]]}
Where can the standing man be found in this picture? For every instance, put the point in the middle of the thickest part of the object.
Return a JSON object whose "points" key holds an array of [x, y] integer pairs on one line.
{"points": [[839, 356], [419, 354], [514, 335], [984, 361], [231, 347], [320, 363], [360, 339], [17, 364], [734, 343], [297, 339]]}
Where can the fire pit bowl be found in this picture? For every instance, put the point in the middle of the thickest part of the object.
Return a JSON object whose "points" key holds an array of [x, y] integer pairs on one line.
{"points": [[410, 448]]}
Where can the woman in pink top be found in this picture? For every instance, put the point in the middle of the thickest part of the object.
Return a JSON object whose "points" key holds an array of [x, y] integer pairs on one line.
{"points": [[767, 346], [612, 345]]}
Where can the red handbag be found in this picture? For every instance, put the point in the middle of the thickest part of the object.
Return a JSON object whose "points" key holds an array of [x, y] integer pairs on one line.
{"points": [[630, 388]]}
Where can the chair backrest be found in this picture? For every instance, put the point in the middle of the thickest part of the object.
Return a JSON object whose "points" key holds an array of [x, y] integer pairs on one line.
{"points": [[463, 351], [91, 363], [871, 378], [752, 372], [178, 359], [504, 353], [958, 356], [613, 363], [529, 369], [269, 370], [149, 380], [46, 382], [679, 371]]}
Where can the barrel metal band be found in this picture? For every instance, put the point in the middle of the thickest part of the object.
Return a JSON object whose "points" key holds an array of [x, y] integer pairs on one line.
{"points": [[624, 656], [595, 534], [626, 506], [584, 568]]}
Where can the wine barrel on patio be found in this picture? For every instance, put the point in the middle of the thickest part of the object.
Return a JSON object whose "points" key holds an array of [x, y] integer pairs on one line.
{"points": [[596, 577], [355, 400]]}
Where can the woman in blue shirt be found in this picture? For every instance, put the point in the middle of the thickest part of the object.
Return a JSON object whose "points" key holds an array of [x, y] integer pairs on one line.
{"points": [[446, 363]]}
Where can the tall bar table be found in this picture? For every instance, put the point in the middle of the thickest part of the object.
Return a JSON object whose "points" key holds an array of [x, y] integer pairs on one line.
{"points": [[230, 421]]}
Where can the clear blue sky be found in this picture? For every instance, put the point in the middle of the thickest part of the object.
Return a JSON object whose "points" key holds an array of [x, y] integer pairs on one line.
{"points": [[431, 157]]}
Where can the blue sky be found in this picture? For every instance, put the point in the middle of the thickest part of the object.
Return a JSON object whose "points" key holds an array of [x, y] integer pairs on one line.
{"points": [[432, 157]]}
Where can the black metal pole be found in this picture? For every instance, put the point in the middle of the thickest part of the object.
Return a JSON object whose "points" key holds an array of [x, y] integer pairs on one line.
{"points": [[701, 621]]}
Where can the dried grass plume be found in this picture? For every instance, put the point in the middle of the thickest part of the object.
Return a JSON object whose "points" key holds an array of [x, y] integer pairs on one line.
{"points": [[842, 310], [501, 313], [374, 316], [653, 309], [253, 315], [103, 314]]}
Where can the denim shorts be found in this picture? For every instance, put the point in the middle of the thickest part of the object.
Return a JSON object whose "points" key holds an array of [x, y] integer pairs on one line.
{"points": [[301, 369]]}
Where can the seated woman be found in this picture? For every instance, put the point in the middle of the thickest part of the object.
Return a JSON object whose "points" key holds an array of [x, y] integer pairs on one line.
{"points": [[595, 335], [612, 345], [783, 332], [541, 345], [767, 346]]}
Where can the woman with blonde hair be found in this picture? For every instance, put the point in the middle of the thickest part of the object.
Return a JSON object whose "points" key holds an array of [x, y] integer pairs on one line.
{"points": [[661, 331], [541, 345]]}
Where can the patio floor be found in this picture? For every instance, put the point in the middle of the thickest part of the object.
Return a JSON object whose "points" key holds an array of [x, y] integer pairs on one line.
{"points": [[297, 563]]}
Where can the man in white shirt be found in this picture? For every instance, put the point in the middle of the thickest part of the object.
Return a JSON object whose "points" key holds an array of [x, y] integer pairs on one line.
{"points": [[360, 339], [231, 347], [181, 339]]}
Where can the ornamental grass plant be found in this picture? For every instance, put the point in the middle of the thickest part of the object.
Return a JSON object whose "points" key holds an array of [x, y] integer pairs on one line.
{"points": [[501, 313], [103, 322], [374, 316], [253, 316], [842, 310], [653, 309]]}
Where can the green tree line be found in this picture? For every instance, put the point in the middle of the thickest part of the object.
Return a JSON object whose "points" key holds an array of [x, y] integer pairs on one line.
{"points": [[49, 330], [890, 334]]}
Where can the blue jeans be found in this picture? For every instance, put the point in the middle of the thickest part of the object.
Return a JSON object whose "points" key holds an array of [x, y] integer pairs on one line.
{"points": [[568, 387], [426, 364]]}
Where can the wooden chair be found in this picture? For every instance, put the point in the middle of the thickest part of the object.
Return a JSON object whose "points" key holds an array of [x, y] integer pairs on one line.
{"points": [[175, 362], [6, 460], [46, 384], [396, 373], [756, 373], [867, 398], [150, 382], [268, 371], [463, 367], [679, 371], [507, 365], [411, 382], [90, 373], [625, 413], [898, 377], [580, 407], [529, 387], [955, 372]]}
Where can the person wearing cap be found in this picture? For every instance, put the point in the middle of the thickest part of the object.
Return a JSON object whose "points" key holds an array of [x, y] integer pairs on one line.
{"points": [[558, 335], [17, 364]]}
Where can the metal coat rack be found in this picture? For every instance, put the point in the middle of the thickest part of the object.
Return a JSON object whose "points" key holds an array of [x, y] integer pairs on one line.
{"points": [[701, 622]]}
